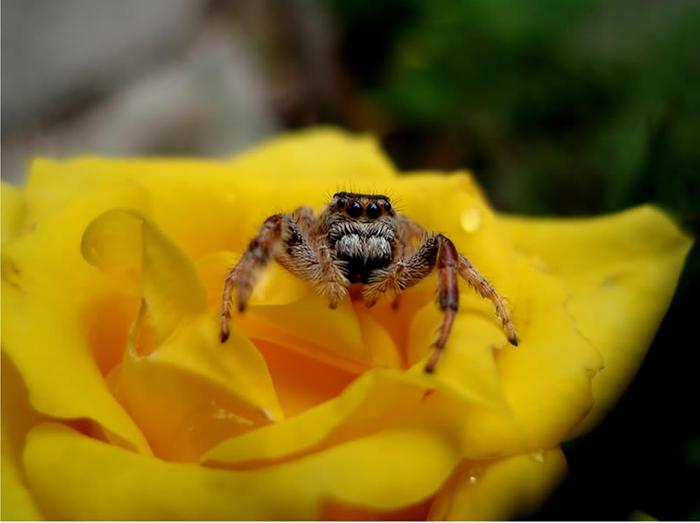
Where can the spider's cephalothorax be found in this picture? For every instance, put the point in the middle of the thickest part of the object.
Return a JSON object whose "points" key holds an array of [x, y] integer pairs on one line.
{"points": [[360, 240], [361, 230]]}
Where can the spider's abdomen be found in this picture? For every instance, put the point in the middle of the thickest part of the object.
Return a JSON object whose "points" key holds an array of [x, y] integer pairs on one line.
{"points": [[362, 255]]}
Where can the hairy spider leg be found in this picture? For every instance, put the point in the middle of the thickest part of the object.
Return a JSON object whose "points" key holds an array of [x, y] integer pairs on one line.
{"points": [[436, 250], [286, 239], [246, 272], [486, 290], [448, 296]]}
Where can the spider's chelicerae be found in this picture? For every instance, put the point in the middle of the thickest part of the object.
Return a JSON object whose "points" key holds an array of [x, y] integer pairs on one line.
{"points": [[359, 241]]}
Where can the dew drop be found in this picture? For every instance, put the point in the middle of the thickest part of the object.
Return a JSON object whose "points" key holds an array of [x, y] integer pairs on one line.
{"points": [[470, 220], [473, 475], [538, 456]]}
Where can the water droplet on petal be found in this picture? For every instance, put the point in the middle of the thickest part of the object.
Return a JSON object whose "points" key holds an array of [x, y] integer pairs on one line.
{"points": [[473, 475], [538, 456], [470, 220]]}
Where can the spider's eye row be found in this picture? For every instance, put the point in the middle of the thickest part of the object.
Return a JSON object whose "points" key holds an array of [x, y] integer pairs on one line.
{"points": [[355, 209], [373, 211], [341, 203]]}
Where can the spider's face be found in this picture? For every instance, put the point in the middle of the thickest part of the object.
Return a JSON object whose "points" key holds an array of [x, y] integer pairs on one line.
{"points": [[362, 229]]}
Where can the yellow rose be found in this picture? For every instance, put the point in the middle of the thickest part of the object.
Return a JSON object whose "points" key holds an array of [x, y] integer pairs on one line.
{"points": [[119, 402]]}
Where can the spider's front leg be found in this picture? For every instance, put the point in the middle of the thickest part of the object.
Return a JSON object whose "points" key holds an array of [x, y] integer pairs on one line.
{"points": [[246, 272], [486, 290], [436, 250], [288, 240], [439, 251]]}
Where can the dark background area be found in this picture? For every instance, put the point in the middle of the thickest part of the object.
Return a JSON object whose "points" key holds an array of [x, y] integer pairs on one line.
{"points": [[559, 107]]}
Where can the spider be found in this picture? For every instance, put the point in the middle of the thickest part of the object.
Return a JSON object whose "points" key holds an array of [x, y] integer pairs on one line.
{"points": [[359, 243]]}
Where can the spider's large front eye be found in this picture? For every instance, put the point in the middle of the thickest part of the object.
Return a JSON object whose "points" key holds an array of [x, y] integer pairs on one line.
{"points": [[373, 211], [355, 209]]}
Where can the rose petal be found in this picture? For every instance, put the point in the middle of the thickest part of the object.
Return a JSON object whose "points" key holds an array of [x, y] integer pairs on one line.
{"points": [[17, 418], [381, 399], [376, 400], [117, 239], [184, 388], [12, 207], [302, 382], [47, 287], [621, 270], [231, 199], [546, 379], [468, 366], [75, 477], [501, 490]]}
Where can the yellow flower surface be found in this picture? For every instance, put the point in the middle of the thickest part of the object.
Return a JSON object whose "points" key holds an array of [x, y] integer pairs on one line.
{"points": [[119, 401]]}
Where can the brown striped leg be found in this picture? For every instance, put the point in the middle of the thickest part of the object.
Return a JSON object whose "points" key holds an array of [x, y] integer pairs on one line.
{"points": [[486, 290], [448, 296], [245, 273], [304, 216]]}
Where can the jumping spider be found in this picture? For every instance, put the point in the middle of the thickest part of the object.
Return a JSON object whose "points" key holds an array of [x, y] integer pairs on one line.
{"points": [[359, 240]]}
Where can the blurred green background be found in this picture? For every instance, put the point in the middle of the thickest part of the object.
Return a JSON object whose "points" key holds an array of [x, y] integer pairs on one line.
{"points": [[558, 107]]}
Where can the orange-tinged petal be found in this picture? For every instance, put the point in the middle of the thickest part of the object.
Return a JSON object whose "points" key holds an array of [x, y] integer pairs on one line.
{"points": [[75, 477], [191, 392], [375, 400], [17, 418], [309, 326], [184, 388], [500, 490], [379, 400], [621, 271]]}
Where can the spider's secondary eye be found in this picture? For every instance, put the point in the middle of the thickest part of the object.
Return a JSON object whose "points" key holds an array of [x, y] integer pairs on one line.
{"points": [[355, 209], [341, 203], [373, 211], [386, 206]]}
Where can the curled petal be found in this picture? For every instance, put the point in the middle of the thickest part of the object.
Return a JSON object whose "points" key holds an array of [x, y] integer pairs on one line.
{"points": [[500, 490], [75, 477], [17, 418], [184, 388], [46, 292], [117, 240], [622, 271]]}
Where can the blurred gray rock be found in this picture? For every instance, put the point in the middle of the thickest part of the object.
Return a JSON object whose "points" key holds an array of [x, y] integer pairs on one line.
{"points": [[58, 53], [208, 99]]}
